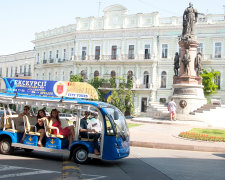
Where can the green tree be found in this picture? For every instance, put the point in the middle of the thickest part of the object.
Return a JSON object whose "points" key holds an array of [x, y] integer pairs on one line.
{"points": [[122, 98], [76, 78], [96, 83], [209, 81]]}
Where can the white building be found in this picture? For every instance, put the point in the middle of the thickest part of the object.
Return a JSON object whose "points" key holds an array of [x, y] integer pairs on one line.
{"points": [[18, 65], [142, 45]]}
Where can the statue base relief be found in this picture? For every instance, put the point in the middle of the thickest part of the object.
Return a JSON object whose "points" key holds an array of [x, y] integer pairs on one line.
{"points": [[188, 97]]}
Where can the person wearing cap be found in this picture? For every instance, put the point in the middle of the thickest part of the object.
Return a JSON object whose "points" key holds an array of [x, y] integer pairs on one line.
{"points": [[94, 123], [89, 133]]}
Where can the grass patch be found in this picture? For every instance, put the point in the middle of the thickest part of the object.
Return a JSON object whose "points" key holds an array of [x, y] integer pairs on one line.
{"points": [[205, 134], [210, 132], [130, 125]]}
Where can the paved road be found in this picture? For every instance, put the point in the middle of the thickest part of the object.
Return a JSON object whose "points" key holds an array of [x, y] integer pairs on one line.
{"points": [[143, 163]]}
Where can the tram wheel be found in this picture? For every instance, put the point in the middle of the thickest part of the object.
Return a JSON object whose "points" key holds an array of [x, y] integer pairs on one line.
{"points": [[5, 146], [80, 155]]}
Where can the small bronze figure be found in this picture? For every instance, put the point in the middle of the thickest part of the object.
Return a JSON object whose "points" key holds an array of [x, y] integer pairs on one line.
{"points": [[176, 63], [186, 60], [198, 63]]}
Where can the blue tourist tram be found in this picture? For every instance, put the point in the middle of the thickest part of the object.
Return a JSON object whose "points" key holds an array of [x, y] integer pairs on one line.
{"points": [[113, 141]]}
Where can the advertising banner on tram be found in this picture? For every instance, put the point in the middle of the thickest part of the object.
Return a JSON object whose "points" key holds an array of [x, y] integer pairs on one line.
{"points": [[50, 88]]}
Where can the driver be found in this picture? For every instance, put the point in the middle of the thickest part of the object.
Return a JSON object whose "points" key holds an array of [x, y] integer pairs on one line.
{"points": [[89, 133]]}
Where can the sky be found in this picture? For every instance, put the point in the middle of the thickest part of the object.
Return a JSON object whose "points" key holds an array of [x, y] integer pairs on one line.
{"points": [[21, 19]]}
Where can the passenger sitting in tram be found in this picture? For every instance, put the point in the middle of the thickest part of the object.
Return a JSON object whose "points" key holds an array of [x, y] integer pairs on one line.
{"points": [[55, 122], [41, 117], [89, 133], [94, 122], [20, 126]]}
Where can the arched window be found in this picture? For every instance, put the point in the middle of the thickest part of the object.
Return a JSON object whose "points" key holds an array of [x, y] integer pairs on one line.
{"points": [[113, 74], [218, 81], [163, 79], [83, 73], [146, 79], [130, 74], [129, 78], [96, 74], [71, 73]]}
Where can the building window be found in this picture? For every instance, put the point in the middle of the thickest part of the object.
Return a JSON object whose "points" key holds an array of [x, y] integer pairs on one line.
{"points": [[37, 76], [96, 74], [57, 54], [218, 49], [0, 72], [218, 81], [147, 52], [43, 76], [83, 73], [131, 52], [164, 50], [144, 104], [44, 56], [50, 55], [38, 58], [11, 73], [200, 48], [71, 73], [97, 52], [163, 79], [114, 52], [113, 74], [64, 54], [25, 70], [146, 79], [16, 75], [21, 71], [29, 70], [84, 53], [71, 53], [162, 100], [7, 71], [49, 76], [129, 78]]}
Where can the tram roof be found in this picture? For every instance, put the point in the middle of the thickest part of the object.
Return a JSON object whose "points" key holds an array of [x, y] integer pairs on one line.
{"points": [[12, 97]]}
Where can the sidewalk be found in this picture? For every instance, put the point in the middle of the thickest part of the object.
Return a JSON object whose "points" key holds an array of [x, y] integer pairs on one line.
{"points": [[163, 134]]}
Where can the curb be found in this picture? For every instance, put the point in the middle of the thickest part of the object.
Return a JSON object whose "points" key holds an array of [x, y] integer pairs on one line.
{"points": [[166, 122], [177, 146]]}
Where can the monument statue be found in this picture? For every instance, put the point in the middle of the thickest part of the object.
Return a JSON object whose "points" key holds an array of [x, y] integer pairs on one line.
{"points": [[198, 63], [190, 17], [186, 60], [176, 63]]}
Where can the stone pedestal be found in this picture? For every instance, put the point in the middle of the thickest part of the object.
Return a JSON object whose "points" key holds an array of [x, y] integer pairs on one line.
{"points": [[188, 97], [187, 87]]}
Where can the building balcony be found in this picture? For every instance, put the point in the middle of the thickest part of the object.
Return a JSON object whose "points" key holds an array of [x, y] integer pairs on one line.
{"points": [[122, 57]]}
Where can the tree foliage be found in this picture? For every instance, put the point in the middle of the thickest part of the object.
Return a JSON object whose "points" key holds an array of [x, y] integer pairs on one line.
{"points": [[96, 83], [76, 78], [122, 97], [209, 81]]}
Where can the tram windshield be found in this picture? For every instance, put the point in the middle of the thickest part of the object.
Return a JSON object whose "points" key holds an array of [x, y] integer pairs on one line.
{"points": [[118, 121]]}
